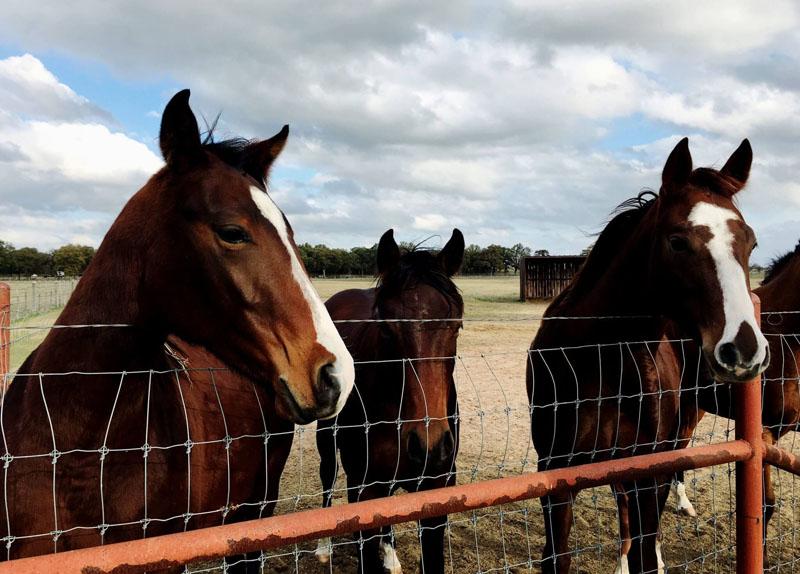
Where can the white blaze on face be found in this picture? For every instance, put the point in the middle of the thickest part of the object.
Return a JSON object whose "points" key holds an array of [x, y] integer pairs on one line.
{"points": [[327, 335], [736, 302]]}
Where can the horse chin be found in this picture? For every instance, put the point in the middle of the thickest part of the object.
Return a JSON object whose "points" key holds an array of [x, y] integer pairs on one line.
{"points": [[736, 375], [287, 406]]}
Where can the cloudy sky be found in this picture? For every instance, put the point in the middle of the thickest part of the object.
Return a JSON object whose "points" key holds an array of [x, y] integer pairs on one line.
{"points": [[514, 121]]}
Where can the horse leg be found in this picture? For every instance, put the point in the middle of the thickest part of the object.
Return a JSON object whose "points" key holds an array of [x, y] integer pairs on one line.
{"points": [[769, 492], [557, 511], [646, 501], [624, 528], [685, 507], [328, 469], [370, 542], [391, 563]]}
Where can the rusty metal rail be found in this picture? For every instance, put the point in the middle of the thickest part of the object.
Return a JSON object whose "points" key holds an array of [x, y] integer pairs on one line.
{"points": [[212, 543], [782, 459]]}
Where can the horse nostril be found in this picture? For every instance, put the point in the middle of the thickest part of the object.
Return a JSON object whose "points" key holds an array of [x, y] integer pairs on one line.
{"points": [[328, 388], [446, 446], [414, 448], [728, 355]]}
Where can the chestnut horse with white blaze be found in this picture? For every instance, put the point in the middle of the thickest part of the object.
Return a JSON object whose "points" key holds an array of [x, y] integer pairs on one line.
{"points": [[104, 440], [674, 263], [404, 389]]}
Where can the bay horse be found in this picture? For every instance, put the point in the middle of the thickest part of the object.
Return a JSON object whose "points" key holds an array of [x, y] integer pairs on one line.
{"points": [[674, 262], [105, 439], [404, 389], [780, 292]]}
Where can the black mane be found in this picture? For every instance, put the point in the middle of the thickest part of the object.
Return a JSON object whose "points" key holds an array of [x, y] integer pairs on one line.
{"points": [[419, 266], [234, 151], [779, 263], [617, 231]]}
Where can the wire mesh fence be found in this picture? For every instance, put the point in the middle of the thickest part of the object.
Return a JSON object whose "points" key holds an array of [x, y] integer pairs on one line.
{"points": [[493, 440]]}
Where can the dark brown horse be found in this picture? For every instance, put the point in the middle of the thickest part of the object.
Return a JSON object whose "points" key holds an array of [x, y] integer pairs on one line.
{"points": [[404, 389], [104, 440], [779, 292], [674, 263]]}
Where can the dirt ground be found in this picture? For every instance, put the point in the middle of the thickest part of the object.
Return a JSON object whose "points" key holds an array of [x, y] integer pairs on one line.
{"points": [[490, 379]]}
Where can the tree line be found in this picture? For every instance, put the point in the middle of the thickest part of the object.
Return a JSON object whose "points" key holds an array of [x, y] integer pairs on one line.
{"points": [[69, 260], [321, 260]]}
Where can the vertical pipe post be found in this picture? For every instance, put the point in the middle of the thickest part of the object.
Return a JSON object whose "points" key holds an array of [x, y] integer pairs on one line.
{"points": [[5, 334], [749, 477]]}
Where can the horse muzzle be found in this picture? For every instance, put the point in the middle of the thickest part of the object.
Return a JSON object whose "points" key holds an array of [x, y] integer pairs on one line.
{"points": [[326, 392]]}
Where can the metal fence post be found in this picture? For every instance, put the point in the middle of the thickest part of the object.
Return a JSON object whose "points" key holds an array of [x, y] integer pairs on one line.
{"points": [[749, 474], [5, 334]]}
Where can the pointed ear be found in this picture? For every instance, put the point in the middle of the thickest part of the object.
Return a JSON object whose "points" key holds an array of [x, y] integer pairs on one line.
{"points": [[180, 136], [738, 165], [452, 253], [388, 253], [678, 167], [264, 153]]}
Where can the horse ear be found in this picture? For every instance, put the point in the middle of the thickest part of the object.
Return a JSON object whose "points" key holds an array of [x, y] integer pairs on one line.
{"points": [[388, 253], [452, 254], [265, 152], [180, 136], [738, 165], [678, 167]]}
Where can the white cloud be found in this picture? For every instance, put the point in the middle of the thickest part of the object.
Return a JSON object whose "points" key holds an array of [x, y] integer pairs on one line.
{"points": [[509, 119], [57, 160]]}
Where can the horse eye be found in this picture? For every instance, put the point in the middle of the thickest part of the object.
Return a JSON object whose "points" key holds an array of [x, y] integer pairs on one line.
{"points": [[679, 244], [233, 234]]}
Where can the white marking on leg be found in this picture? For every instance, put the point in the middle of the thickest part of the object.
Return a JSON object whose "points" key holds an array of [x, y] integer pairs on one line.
{"points": [[659, 560], [390, 560], [327, 335], [736, 302], [622, 565], [323, 551], [684, 504]]}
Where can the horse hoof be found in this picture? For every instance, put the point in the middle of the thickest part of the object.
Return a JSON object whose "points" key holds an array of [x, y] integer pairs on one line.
{"points": [[323, 551], [685, 507]]}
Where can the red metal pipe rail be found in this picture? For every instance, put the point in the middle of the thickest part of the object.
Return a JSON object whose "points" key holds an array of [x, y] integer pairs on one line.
{"points": [[213, 543], [781, 458], [749, 487]]}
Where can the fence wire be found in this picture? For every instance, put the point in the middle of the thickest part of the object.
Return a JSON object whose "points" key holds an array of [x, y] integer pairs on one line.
{"points": [[494, 420]]}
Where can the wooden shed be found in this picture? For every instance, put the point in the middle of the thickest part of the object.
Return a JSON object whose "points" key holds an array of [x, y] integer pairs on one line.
{"points": [[544, 277]]}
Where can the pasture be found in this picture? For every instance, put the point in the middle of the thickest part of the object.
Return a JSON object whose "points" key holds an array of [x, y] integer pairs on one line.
{"points": [[495, 442]]}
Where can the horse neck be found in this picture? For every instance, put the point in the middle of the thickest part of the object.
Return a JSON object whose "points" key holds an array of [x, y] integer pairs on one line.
{"points": [[782, 294], [624, 289], [108, 293]]}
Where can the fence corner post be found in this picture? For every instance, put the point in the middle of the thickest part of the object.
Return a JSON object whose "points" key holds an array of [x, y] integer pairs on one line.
{"points": [[5, 334], [749, 473]]}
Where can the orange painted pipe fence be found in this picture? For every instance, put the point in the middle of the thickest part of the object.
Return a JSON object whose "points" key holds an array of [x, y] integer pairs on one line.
{"points": [[211, 543]]}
